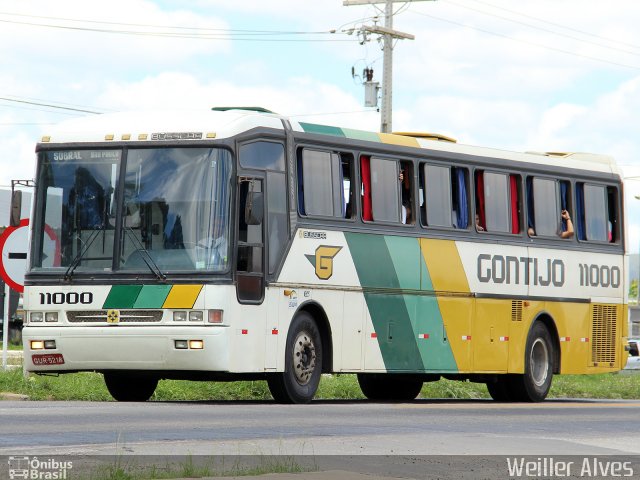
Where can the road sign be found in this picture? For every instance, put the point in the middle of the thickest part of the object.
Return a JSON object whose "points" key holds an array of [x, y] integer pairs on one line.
{"points": [[13, 251]]}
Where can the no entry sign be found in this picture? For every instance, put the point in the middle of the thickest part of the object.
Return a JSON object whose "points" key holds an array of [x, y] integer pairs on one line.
{"points": [[13, 248]]}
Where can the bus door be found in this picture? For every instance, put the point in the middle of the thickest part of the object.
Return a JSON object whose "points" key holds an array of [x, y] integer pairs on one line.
{"points": [[250, 237]]}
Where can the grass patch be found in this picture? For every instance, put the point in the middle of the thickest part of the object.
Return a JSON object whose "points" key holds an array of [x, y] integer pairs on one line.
{"points": [[127, 469], [90, 386]]}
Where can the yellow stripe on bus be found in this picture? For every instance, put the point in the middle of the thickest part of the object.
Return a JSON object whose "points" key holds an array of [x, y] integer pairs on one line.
{"points": [[182, 296], [444, 265]]}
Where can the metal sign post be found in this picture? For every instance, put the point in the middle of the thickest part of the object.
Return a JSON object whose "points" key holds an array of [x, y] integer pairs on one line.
{"points": [[5, 323]]}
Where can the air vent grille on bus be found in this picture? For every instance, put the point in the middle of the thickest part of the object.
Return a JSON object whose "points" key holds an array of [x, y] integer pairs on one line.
{"points": [[603, 334], [126, 316], [516, 311]]}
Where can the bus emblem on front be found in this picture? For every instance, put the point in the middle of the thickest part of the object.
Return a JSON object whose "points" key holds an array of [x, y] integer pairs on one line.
{"points": [[113, 316]]}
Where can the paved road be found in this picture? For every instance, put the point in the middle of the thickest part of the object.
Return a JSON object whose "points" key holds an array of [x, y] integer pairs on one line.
{"points": [[555, 427]]}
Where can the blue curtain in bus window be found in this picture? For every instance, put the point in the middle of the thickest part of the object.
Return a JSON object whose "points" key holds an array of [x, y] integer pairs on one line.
{"points": [[579, 225], [462, 212], [300, 187], [530, 218]]}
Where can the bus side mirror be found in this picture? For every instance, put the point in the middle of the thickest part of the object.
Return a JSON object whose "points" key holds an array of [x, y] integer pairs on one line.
{"points": [[254, 210], [16, 208]]}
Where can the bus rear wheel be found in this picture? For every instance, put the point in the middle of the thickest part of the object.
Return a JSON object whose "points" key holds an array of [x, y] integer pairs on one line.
{"points": [[535, 383], [389, 386], [302, 365], [130, 388], [500, 388]]}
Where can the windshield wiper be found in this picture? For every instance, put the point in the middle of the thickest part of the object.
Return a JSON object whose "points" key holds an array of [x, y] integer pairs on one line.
{"points": [[144, 253], [85, 248]]}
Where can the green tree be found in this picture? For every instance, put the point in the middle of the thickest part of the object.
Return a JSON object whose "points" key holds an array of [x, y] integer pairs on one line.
{"points": [[633, 290]]}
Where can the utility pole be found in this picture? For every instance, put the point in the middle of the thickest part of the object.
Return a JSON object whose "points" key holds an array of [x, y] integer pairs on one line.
{"points": [[388, 35]]}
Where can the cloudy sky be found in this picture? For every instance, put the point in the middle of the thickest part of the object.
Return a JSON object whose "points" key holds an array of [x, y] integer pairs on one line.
{"points": [[544, 75]]}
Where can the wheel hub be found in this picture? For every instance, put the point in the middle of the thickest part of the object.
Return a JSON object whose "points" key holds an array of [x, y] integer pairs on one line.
{"points": [[304, 358], [539, 362]]}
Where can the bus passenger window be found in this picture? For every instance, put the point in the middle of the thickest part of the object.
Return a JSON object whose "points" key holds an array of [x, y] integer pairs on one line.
{"points": [[549, 208], [493, 202], [437, 206], [324, 183], [383, 192], [597, 212]]}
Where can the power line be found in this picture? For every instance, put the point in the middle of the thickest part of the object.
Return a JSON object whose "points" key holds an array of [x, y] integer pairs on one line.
{"points": [[527, 42], [329, 113], [219, 34], [547, 30], [544, 20], [223, 30], [48, 105]]}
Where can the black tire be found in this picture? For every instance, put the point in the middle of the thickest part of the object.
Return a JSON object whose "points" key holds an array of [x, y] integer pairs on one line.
{"points": [[534, 384], [389, 387], [500, 388], [130, 388], [302, 363]]}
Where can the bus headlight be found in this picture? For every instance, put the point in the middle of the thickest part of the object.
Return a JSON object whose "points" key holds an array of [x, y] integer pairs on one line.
{"points": [[180, 316], [36, 316], [195, 316], [51, 317]]}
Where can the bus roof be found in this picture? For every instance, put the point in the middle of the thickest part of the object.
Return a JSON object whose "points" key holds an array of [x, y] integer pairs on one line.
{"points": [[227, 122]]}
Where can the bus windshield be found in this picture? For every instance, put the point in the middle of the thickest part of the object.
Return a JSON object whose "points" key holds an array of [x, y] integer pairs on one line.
{"points": [[170, 211]]}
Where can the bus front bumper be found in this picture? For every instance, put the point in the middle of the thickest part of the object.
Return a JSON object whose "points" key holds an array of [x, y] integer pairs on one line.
{"points": [[126, 348]]}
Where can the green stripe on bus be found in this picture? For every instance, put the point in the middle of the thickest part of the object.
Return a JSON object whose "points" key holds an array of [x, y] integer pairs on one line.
{"points": [[152, 296], [388, 311], [122, 296], [322, 129], [361, 135], [423, 310]]}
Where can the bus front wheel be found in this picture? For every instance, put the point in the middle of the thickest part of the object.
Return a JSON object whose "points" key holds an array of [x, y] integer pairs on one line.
{"points": [[130, 388], [302, 364]]}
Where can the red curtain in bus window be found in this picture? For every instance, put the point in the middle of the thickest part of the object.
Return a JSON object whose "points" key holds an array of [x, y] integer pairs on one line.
{"points": [[365, 170], [480, 198], [515, 212]]}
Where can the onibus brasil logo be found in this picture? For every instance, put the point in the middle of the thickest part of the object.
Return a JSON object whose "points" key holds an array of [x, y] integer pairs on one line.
{"points": [[323, 260], [33, 468]]}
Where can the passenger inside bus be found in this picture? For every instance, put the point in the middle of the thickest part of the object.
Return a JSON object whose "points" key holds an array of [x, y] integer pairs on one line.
{"points": [[567, 226], [405, 188]]}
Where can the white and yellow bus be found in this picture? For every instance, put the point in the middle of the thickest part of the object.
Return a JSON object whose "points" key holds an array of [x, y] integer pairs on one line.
{"points": [[233, 244]]}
